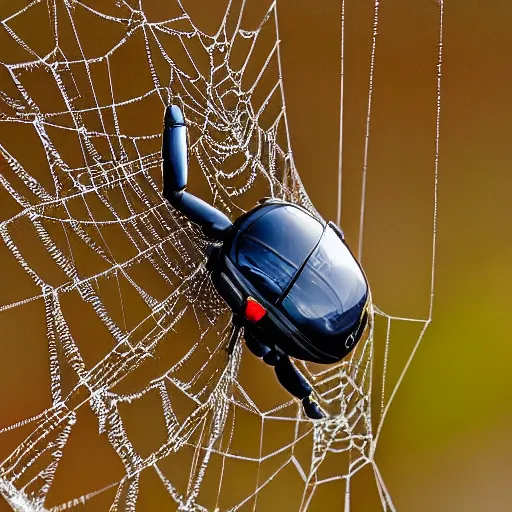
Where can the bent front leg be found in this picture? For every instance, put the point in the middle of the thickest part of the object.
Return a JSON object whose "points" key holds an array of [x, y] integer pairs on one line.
{"points": [[175, 173]]}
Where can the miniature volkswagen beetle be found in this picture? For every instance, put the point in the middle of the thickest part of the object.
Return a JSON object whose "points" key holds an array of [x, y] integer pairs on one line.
{"points": [[289, 277]]}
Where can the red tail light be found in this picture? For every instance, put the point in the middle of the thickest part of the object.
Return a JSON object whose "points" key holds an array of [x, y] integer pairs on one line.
{"points": [[254, 311]]}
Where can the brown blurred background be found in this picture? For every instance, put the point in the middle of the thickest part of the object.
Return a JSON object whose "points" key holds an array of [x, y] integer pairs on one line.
{"points": [[445, 445]]}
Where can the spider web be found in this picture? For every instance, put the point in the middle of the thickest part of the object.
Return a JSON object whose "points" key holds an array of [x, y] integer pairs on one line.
{"points": [[112, 281]]}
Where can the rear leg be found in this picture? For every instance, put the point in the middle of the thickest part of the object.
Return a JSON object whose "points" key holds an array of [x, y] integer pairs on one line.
{"points": [[287, 374]]}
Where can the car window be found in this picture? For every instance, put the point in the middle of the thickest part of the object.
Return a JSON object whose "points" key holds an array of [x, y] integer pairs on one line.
{"points": [[327, 297], [273, 248], [289, 231], [266, 270]]}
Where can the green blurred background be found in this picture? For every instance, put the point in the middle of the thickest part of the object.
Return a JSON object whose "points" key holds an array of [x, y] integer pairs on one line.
{"points": [[445, 445]]}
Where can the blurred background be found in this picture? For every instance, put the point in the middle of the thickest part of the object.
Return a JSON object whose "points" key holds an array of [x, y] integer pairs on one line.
{"points": [[445, 444]]}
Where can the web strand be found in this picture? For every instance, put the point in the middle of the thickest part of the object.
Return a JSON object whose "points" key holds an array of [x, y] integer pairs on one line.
{"points": [[342, 90], [367, 130], [434, 224]]}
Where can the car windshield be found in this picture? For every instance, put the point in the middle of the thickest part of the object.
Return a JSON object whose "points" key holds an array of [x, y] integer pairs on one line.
{"points": [[273, 248], [328, 297]]}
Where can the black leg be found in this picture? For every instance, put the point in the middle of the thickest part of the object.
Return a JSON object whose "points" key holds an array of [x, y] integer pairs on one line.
{"points": [[175, 169], [255, 346], [235, 331], [295, 383], [291, 379], [287, 374]]}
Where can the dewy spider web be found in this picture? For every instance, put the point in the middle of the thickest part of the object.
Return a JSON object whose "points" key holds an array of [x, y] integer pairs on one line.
{"points": [[131, 321]]}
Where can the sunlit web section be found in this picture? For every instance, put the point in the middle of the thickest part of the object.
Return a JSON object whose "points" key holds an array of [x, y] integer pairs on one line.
{"points": [[135, 403]]}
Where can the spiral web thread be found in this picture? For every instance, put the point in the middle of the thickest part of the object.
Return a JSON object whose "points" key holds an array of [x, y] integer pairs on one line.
{"points": [[83, 217]]}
